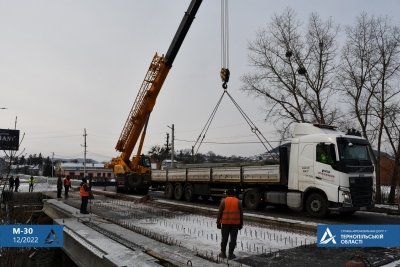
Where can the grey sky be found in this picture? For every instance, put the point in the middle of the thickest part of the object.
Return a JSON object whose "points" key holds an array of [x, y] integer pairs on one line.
{"points": [[70, 65]]}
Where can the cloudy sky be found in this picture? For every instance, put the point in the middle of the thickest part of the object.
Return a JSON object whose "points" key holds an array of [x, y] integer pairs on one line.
{"points": [[70, 65]]}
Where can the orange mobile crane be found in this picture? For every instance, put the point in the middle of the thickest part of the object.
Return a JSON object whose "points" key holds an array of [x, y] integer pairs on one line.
{"points": [[135, 174]]}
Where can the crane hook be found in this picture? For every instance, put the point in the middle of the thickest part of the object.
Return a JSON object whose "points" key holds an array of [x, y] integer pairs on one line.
{"points": [[224, 74]]}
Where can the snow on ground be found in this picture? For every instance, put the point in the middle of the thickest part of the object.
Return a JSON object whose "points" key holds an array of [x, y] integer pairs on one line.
{"points": [[266, 217], [41, 184], [199, 233], [391, 207]]}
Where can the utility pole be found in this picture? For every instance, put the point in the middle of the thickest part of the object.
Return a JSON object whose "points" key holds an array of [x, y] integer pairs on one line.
{"points": [[84, 154], [52, 164], [192, 154], [172, 145], [167, 145]]}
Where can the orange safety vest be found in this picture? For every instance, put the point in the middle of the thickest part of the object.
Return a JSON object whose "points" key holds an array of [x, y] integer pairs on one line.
{"points": [[82, 191], [231, 213], [67, 182]]}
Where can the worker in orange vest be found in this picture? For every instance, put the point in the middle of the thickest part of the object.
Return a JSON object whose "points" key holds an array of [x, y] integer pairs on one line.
{"points": [[230, 221], [84, 192], [67, 185]]}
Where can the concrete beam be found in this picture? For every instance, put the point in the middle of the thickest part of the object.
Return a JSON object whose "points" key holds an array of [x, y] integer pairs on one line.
{"points": [[87, 247], [92, 241]]}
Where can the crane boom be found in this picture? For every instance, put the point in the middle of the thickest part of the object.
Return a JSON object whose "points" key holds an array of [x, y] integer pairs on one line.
{"points": [[146, 99], [142, 106]]}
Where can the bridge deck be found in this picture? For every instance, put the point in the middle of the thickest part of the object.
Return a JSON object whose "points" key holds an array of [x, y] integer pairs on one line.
{"points": [[93, 241]]}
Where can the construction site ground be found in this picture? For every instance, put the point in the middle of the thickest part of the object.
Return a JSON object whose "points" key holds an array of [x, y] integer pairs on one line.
{"points": [[311, 255]]}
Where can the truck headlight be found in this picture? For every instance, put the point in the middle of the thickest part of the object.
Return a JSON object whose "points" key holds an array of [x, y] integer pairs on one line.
{"points": [[346, 196]]}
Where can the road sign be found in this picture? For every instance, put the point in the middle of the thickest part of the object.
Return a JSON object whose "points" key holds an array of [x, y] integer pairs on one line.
{"points": [[9, 139]]}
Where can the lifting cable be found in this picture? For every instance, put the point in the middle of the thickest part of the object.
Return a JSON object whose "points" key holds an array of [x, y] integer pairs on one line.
{"points": [[208, 123], [225, 73], [253, 127]]}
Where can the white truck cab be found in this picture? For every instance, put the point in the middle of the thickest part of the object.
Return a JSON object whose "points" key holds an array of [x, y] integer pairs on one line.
{"points": [[331, 169]]}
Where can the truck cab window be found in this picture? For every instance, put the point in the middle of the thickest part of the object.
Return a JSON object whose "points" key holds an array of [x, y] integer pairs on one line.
{"points": [[326, 153], [146, 162], [357, 152]]}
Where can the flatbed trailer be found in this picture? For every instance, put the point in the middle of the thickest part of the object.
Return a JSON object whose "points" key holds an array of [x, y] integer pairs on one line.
{"points": [[321, 170]]}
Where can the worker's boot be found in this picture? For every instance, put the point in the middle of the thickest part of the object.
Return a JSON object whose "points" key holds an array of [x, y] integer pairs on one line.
{"points": [[222, 255], [231, 255]]}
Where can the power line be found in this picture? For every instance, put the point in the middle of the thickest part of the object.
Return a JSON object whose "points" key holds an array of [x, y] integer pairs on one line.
{"points": [[71, 156], [53, 137], [57, 131], [98, 155], [226, 126], [227, 143], [102, 132], [230, 137], [103, 136]]}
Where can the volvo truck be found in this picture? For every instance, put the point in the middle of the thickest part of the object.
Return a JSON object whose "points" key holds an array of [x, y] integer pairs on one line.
{"points": [[321, 170]]}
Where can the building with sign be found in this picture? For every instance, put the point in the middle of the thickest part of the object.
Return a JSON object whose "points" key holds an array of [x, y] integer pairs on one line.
{"points": [[76, 170]]}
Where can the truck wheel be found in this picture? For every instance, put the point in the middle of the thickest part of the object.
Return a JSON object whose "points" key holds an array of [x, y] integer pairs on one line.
{"points": [[169, 191], [178, 192], [317, 205], [189, 196], [252, 199], [134, 180]]}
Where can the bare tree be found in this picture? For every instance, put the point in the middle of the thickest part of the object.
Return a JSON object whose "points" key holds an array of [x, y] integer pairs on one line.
{"points": [[387, 72], [157, 152], [294, 72], [392, 130], [370, 66]]}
